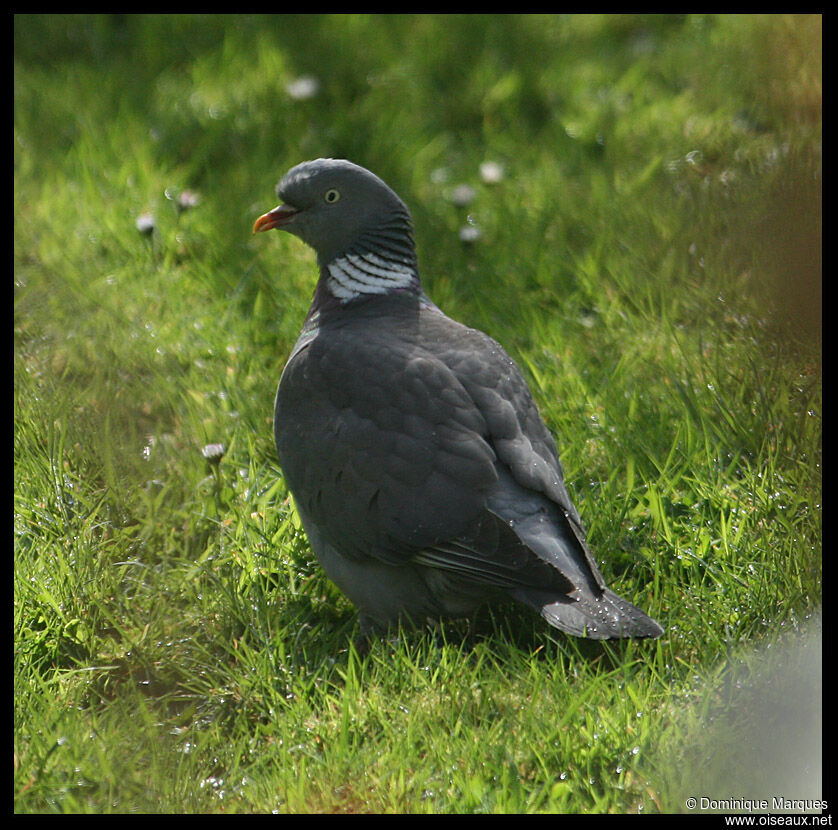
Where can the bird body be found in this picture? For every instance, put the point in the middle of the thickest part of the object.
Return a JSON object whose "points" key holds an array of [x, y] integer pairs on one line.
{"points": [[424, 476]]}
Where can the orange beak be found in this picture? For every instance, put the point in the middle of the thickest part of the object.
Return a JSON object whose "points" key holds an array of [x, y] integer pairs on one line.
{"points": [[275, 218]]}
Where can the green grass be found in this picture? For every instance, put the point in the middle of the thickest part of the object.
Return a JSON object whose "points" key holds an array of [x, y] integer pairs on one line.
{"points": [[652, 260]]}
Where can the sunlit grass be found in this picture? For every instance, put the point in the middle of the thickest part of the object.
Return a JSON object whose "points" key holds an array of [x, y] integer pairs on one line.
{"points": [[177, 649]]}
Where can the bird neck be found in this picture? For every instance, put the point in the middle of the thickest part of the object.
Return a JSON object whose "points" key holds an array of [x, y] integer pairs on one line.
{"points": [[356, 275], [326, 310], [381, 261]]}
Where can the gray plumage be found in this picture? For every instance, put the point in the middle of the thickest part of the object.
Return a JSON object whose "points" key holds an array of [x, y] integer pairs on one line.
{"points": [[424, 476]]}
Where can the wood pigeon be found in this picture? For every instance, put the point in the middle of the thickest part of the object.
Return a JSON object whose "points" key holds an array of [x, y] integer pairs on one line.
{"points": [[424, 477]]}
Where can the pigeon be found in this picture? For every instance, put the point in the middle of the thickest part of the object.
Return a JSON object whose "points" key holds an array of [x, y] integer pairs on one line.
{"points": [[423, 475]]}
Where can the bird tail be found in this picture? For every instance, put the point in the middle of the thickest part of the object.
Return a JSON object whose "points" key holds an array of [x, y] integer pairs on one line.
{"points": [[602, 617]]}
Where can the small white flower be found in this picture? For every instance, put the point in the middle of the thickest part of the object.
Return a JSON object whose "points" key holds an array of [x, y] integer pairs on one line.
{"points": [[213, 452], [188, 199], [462, 195], [491, 172], [145, 224], [303, 88], [469, 233]]}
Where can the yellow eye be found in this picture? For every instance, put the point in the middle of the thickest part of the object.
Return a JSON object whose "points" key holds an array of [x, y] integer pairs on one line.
{"points": [[331, 196]]}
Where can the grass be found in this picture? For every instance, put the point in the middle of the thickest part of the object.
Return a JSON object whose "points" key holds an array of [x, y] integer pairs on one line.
{"points": [[651, 258]]}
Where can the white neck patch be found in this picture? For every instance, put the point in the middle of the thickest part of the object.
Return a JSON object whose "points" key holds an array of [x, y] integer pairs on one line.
{"points": [[356, 274]]}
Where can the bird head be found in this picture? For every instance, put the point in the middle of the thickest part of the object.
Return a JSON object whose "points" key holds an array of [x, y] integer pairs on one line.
{"points": [[337, 207]]}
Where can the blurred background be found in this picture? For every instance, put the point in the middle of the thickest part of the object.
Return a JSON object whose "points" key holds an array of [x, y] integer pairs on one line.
{"points": [[719, 115]]}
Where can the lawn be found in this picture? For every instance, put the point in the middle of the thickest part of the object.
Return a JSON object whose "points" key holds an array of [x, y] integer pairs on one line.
{"points": [[630, 204]]}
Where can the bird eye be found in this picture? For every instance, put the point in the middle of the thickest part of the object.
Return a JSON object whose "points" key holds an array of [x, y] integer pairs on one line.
{"points": [[331, 196]]}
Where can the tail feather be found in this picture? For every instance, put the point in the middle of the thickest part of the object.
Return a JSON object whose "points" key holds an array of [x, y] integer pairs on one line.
{"points": [[600, 618]]}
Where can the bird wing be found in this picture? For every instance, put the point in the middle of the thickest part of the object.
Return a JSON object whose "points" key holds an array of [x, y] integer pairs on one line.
{"points": [[416, 438], [530, 494], [379, 441]]}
